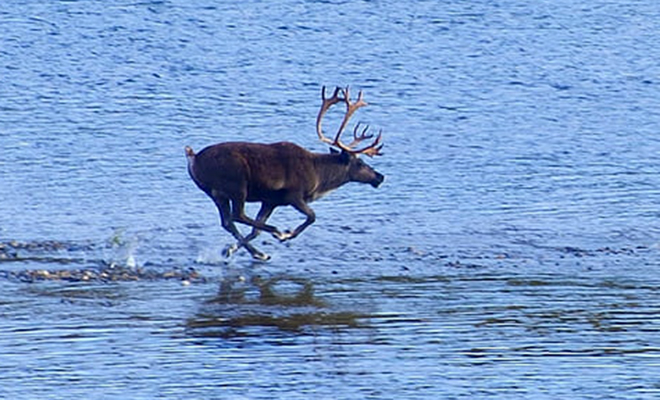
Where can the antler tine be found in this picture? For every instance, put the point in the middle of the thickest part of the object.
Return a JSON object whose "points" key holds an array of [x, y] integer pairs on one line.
{"points": [[361, 137], [374, 148], [351, 108], [335, 94], [325, 106]]}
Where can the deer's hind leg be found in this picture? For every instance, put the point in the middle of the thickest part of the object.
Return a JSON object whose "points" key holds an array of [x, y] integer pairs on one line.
{"points": [[227, 221], [263, 214]]}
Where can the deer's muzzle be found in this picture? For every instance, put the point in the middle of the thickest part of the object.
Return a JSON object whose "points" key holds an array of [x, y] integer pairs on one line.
{"points": [[378, 180]]}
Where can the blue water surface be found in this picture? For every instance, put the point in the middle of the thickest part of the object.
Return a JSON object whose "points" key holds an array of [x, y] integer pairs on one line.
{"points": [[512, 251]]}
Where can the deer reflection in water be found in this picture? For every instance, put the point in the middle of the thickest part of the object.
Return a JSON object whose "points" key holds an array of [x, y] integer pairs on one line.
{"points": [[288, 304], [238, 290]]}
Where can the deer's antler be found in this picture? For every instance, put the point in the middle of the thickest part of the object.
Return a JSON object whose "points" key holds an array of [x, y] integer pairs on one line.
{"points": [[371, 150]]}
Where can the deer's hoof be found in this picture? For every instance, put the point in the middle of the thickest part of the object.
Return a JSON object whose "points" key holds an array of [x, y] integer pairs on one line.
{"points": [[283, 236], [230, 250], [259, 256]]}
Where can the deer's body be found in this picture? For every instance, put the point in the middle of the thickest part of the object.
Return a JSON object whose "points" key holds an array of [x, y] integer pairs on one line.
{"points": [[279, 172], [276, 174]]}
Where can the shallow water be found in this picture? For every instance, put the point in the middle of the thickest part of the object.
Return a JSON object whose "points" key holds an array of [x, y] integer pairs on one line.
{"points": [[511, 252]]}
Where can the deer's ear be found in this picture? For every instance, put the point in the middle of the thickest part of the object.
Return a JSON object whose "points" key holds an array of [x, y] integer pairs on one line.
{"points": [[333, 150]]}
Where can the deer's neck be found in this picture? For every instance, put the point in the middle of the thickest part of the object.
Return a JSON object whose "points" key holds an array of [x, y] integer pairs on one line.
{"points": [[332, 173]]}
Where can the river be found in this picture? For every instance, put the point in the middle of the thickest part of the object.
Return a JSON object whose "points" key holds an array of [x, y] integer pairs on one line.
{"points": [[512, 251]]}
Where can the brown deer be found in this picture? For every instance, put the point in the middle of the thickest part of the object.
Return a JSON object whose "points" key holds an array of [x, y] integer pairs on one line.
{"points": [[281, 174]]}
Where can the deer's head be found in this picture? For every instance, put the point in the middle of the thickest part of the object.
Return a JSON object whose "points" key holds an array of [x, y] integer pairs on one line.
{"points": [[358, 170]]}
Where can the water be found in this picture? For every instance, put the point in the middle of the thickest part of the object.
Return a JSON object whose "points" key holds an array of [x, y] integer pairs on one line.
{"points": [[511, 252]]}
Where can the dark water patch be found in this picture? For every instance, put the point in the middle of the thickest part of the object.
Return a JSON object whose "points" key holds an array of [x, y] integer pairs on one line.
{"points": [[220, 324], [583, 252]]}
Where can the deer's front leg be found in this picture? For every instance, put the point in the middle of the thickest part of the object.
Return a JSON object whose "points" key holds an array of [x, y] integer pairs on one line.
{"points": [[262, 216], [301, 206]]}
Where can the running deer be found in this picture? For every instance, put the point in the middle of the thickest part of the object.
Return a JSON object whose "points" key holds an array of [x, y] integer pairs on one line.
{"points": [[282, 174]]}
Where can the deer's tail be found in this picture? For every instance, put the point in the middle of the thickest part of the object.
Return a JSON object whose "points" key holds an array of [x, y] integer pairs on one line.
{"points": [[190, 155]]}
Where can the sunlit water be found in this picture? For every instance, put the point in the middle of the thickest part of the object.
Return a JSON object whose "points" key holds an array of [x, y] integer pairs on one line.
{"points": [[512, 251]]}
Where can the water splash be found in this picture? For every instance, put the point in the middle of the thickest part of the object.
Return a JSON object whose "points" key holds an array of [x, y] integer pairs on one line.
{"points": [[121, 249]]}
